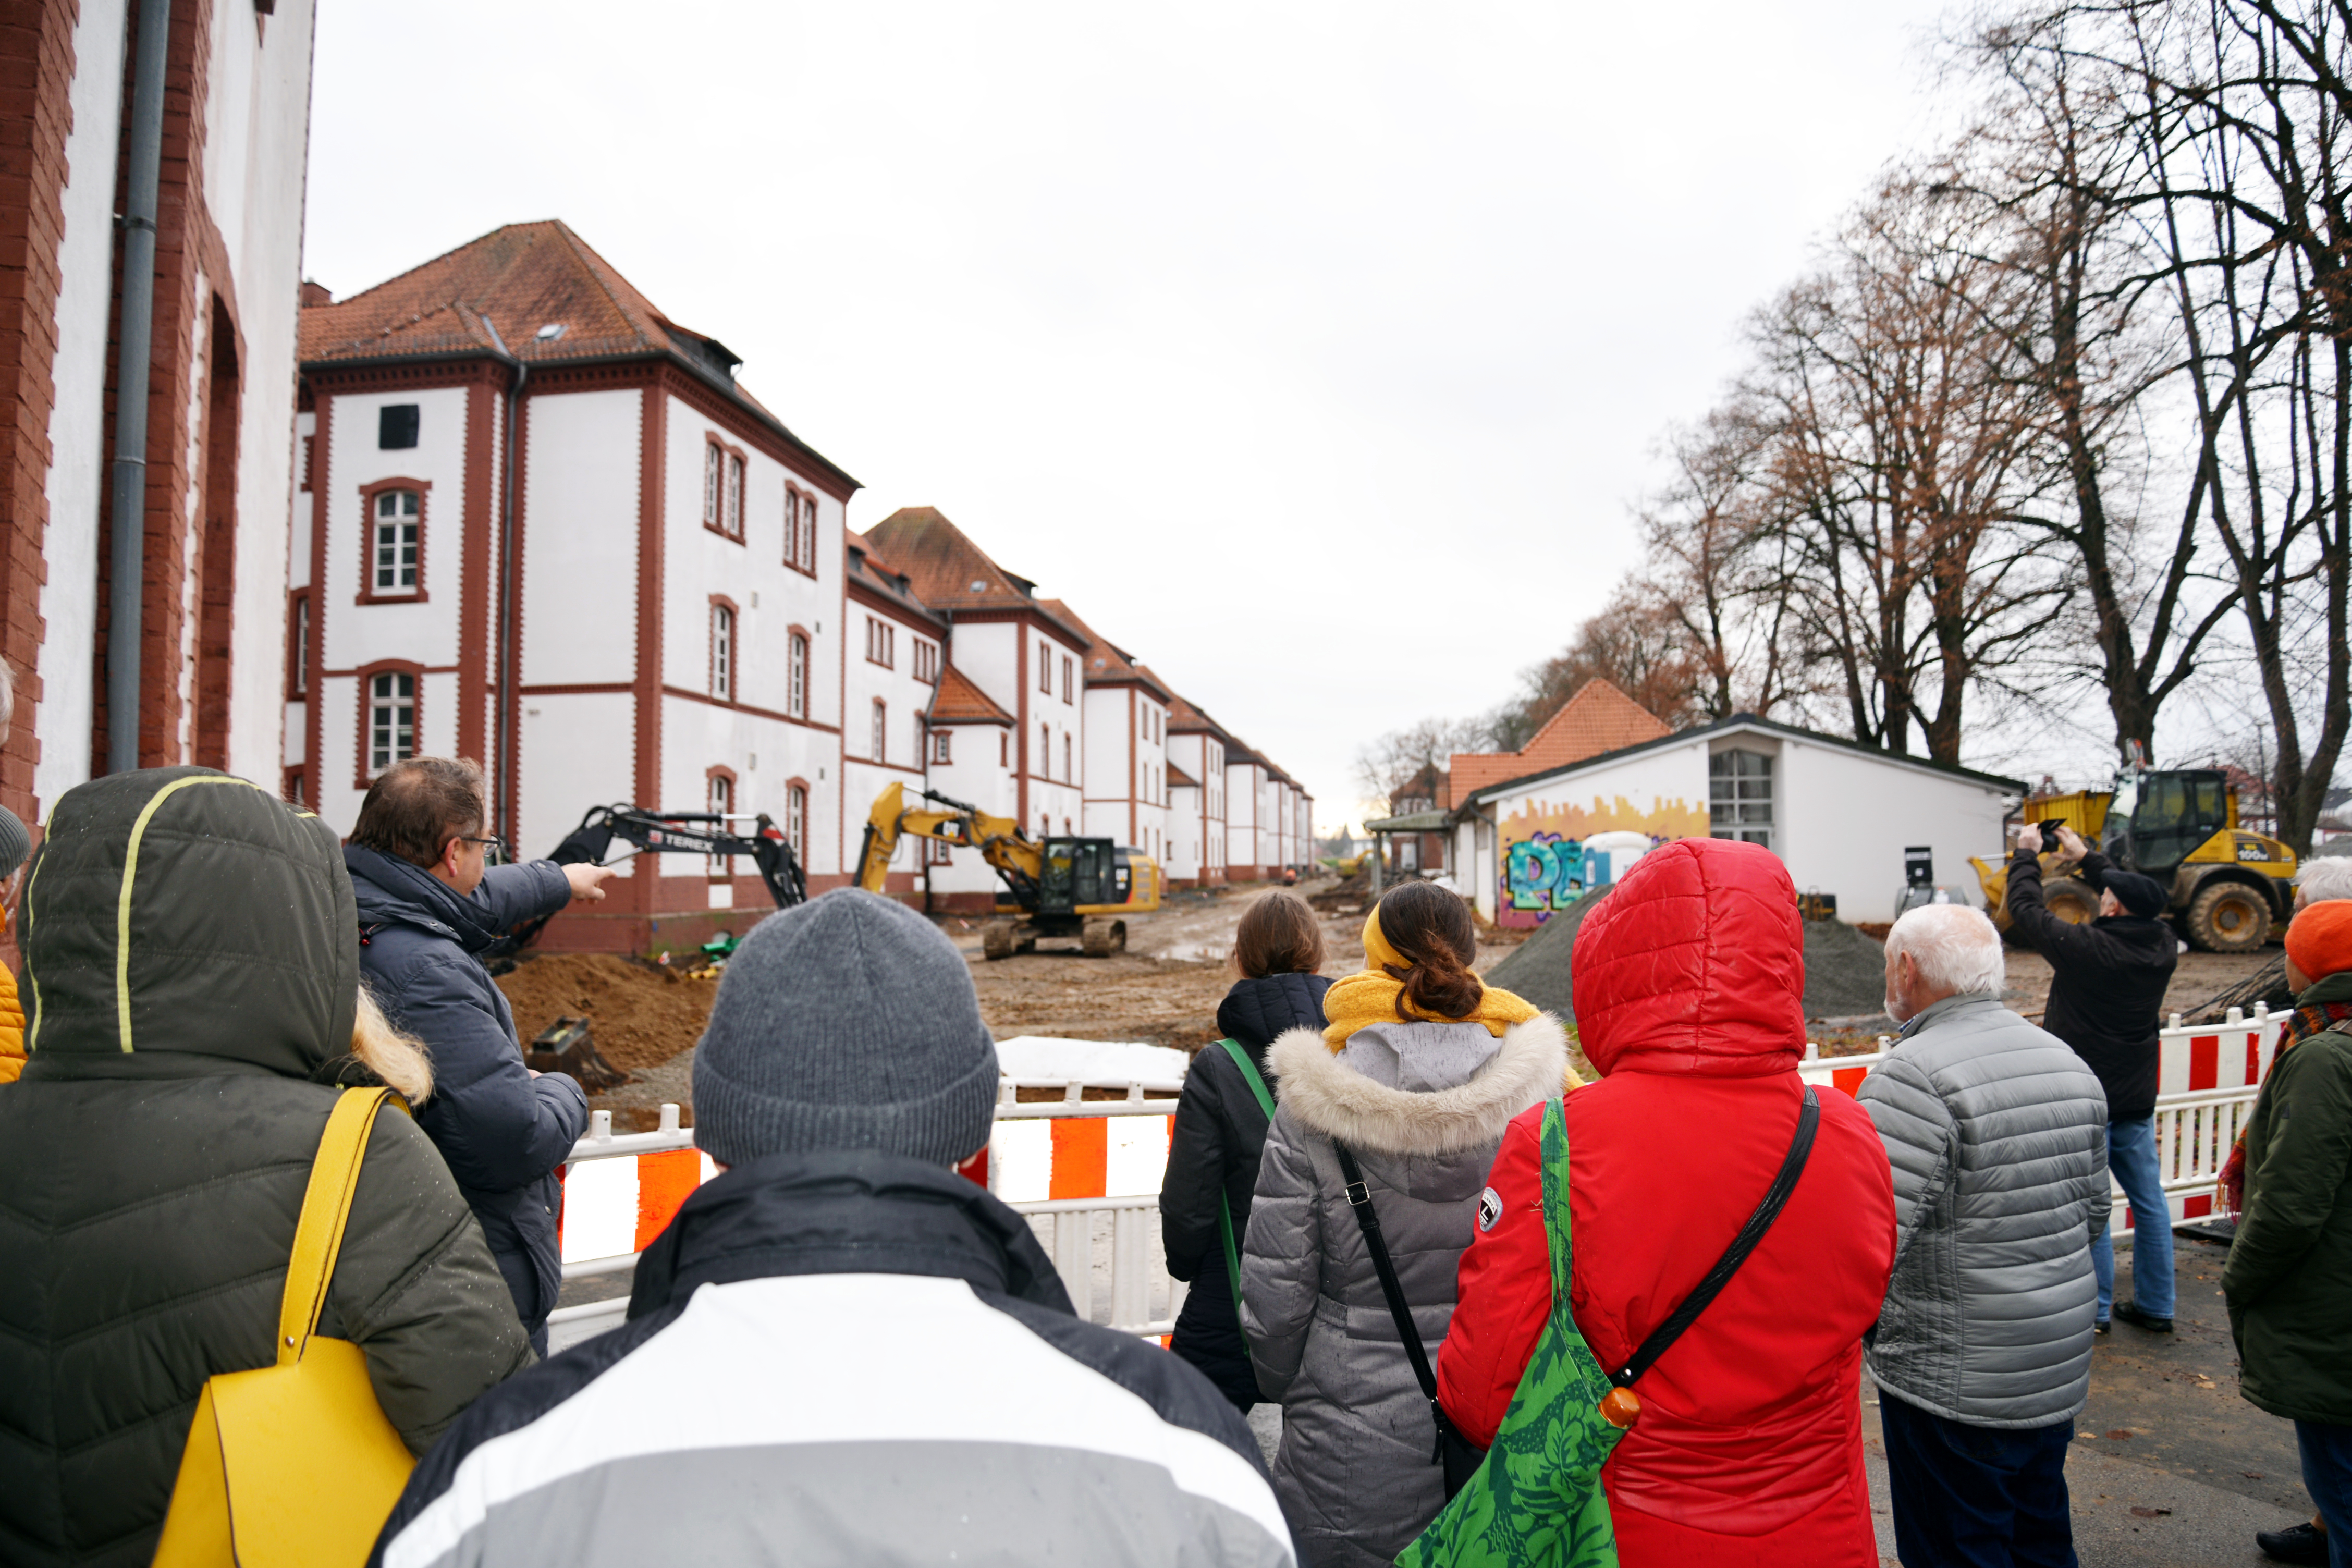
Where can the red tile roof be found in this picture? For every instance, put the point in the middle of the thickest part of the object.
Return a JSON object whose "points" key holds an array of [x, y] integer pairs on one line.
{"points": [[959, 701], [1183, 718], [949, 571], [503, 291], [873, 572], [1105, 665], [1598, 719], [1178, 779]]}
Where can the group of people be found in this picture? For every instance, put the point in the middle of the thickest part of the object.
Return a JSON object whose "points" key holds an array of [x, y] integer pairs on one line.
{"points": [[1510, 1315]]}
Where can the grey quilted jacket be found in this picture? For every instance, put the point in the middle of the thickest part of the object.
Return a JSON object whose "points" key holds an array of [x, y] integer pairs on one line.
{"points": [[1422, 1107], [1998, 1134]]}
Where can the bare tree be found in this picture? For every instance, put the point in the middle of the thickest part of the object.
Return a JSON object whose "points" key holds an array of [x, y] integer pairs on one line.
{"points": [[1387, 765]]}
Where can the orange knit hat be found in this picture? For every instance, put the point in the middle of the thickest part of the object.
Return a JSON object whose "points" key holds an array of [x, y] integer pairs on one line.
{"points": [[2319, 939]]}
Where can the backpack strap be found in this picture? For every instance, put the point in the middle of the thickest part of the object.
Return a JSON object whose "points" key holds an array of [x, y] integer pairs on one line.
{"points": [[1776, 1197], [1224, 1208], [326, 1208]]}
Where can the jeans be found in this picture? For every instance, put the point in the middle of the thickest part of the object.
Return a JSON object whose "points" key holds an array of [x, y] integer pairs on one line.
{"points": [[1975, 1497], [2131, 1155], [2328, 1477]]}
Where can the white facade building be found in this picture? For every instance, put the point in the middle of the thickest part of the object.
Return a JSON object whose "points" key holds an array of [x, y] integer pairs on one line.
{"points": [[1841, 814]]}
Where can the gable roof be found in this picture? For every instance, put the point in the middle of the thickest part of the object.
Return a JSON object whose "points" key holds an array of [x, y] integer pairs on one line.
{"points": [[1185, 719], [1598, 718], [1105, 665], [959, 701], [1178, 779], [494, 295], [950, 573], [1467, 800]]}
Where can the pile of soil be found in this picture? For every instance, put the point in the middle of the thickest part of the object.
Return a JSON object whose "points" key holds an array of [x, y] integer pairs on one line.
{"points": [[1844, 970], [639, 1014]]}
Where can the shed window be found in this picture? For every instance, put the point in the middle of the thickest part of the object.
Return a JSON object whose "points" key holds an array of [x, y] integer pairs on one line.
{"points": [[1739, 796]]}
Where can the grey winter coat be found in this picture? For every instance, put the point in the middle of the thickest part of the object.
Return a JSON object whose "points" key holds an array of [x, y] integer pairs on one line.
{"points": [[1998, 1134], [1422, 1107]]}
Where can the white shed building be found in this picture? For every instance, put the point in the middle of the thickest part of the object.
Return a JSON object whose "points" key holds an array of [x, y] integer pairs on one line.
{"points": [[1841, 814]]}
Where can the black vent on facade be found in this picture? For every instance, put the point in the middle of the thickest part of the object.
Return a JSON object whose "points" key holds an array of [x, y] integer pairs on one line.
{"points": [[395, 427]]}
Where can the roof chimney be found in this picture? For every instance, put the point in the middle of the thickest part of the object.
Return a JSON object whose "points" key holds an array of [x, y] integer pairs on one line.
{"points": [[316, 294]]}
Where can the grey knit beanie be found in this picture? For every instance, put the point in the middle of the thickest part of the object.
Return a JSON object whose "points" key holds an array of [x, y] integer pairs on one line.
{"points": [[848, 1022], [14, 842]]}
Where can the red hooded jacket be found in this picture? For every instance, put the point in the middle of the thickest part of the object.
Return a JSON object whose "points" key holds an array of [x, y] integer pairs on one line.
{"points": [[1690, 981]]}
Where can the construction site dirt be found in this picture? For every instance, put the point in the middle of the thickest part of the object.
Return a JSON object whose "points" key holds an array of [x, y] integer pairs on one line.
{"points": [[1164, 990]]}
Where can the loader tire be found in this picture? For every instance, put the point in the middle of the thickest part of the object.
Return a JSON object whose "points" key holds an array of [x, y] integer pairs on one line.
{"points": [[2071, 900], [996, 939], [2229, 917], [1101, 938]]}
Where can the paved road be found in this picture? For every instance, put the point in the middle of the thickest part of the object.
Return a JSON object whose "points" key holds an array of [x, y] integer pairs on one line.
{"points": [[2169, 1468]]}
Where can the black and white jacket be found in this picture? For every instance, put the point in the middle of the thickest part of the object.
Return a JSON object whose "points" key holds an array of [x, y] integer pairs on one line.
{"points": [[845, 1358]]}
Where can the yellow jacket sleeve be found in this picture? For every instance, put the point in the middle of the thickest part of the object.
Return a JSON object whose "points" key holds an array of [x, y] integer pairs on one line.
{"points": [[12, 1030]]}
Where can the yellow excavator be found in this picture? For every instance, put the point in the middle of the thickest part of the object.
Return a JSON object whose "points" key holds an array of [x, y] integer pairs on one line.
{"points": [[2230, 888], [1060, 888]]}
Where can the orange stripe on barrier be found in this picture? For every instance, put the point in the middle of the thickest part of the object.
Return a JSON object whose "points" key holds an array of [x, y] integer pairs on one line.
{"points": [[1081, 1157], [664, 1181]]}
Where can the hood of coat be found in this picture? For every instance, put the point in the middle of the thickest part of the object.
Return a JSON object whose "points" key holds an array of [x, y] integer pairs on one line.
{"points": [[855, 1210], [1694, 964], [187, 912], [388, 889], [1326, 1094], [1260, 1007]]}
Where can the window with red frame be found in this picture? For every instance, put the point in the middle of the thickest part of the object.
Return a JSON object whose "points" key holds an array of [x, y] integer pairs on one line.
{"points": [[1045, 670], [881, 731], [796, 676], [395, 541], [297, 656], [881, 643], [927, 662], [712, 458], [942, 751], [392, 720], [796, 820], [1068, 686], [731, 517], [722, 806]]}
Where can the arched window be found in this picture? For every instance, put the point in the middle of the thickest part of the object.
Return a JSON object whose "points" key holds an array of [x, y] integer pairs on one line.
{"points": [[796, 821], [722, 650], [881, 753], [796, 677]]}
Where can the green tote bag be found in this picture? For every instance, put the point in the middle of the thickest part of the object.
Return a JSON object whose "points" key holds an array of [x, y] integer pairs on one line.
{"points": [[1536, 1500]]}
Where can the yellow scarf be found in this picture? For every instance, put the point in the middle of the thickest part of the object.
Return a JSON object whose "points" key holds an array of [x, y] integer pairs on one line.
{"points": [[1376, 997]]}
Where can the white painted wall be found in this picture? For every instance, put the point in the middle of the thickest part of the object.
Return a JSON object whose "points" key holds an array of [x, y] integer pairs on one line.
{"points": [[974, 774], [77, 477], [426, 631], [578, 578], [257, 158], [577, 750]]}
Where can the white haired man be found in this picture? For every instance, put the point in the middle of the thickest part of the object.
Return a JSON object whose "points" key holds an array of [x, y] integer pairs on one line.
{"points": [[2321, 881], [1998, 1135]]}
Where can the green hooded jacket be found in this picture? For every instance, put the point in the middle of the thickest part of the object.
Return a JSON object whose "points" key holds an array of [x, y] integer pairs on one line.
{"points": [[191, 978], [2290, 1270]]}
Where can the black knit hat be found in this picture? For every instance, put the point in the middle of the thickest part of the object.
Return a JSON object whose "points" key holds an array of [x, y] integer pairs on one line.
{"points": [[2138, 895], [848, 1022]]}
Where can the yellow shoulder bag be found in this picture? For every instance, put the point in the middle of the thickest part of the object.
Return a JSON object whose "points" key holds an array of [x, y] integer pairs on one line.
{"points": [[294, 1464]]}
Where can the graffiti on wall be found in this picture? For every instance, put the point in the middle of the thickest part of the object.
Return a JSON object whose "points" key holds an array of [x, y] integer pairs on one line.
{"points": [[1545, 865]]}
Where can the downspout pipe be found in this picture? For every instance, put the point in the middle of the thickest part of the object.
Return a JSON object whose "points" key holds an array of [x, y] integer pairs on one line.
{"points": [[134, 374], [502, 748]]}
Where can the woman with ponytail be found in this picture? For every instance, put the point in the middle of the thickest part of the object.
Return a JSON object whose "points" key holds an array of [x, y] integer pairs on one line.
{"points": [[1412, 1082]]}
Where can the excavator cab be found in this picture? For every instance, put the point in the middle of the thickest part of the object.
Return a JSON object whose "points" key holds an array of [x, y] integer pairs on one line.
{"points": [[1080, 873], [2158, 819]]}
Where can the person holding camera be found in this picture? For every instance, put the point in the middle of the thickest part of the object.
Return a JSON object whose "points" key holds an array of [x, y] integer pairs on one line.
{"points": [[2107, 979]]}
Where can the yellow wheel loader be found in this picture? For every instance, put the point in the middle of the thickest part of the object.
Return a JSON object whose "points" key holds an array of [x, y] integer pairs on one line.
{"points": [[2231, 889], [1059, 888]]}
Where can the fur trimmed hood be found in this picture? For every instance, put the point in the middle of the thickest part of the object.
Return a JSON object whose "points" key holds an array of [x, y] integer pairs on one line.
{"points": [[1326, 1094]]}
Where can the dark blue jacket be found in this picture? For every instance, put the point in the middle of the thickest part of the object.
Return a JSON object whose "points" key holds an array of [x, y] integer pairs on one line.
{"points": [[501, 1130]]}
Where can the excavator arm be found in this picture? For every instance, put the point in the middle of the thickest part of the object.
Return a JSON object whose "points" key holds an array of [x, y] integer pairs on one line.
{"points": [[999, 840]]}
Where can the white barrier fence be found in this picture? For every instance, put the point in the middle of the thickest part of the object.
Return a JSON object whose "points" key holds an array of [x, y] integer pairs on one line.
{"points": [[1075, 1157], [1072, 1158], [2208, 1076]]}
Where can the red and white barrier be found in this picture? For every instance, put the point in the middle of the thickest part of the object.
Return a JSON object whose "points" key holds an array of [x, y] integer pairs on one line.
{"points": [[2208, 1076]]}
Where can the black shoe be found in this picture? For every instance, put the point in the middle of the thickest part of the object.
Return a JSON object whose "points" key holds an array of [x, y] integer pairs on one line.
{"points": [[2296, 1543], [2100, 1327], [2130, 1313]]}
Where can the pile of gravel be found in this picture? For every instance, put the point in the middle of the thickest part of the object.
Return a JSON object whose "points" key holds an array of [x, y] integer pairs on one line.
{"points": [[1538, 968], [1845, 972]]}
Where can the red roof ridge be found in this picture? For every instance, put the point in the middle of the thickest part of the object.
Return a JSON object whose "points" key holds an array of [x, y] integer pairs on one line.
{"points": [[958, 698], [1599, 717]]}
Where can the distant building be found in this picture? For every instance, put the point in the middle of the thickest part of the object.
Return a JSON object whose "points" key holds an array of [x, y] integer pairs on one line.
{"points": [[689, 622], [1196, 800], [675, 628]]}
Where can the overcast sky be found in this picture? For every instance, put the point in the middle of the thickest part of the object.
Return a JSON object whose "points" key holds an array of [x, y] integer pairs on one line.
{"points": [[1317, 354]]}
